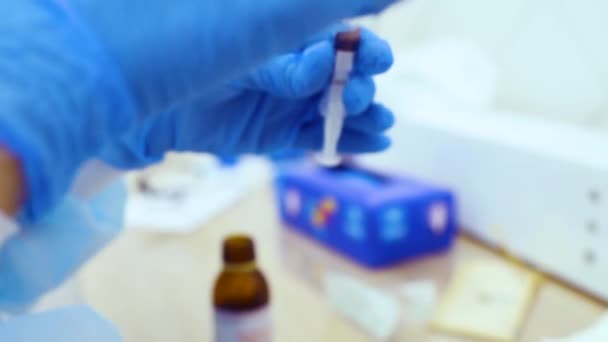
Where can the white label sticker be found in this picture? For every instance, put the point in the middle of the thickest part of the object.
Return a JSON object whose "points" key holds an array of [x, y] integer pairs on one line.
{"points": [[293, 202], [252, 326], [438, 217]]}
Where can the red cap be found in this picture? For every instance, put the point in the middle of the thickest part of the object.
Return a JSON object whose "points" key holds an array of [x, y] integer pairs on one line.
{"points": [[348, 40]]}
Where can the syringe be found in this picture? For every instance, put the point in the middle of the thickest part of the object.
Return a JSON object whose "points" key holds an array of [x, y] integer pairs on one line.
{"points": [[332, 107]]}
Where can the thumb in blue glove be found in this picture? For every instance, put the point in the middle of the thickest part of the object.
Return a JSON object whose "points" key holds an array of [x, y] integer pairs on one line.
{"points": [[273, 108]]}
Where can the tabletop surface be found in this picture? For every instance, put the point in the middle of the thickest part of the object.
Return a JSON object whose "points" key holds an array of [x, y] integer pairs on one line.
{"points": [[157, 287]]}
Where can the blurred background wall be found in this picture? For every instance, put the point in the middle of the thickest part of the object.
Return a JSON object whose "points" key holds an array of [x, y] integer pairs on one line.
{"points": [[551, 56]]}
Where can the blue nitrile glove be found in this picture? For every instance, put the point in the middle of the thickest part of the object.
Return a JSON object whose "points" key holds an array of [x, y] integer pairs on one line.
{"points": [[75, 73], [60, 97], [71, 324], [172, 50], [42, 255], [274, 108]]}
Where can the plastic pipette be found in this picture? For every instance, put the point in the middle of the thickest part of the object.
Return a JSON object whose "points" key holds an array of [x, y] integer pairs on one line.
{"points": [[332, 107]]}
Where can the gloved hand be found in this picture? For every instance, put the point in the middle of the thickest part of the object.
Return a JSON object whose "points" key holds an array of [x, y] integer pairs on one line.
{"points": [[273, 108], [171, 51], [76, 73], [72, 324], [42, 255]]}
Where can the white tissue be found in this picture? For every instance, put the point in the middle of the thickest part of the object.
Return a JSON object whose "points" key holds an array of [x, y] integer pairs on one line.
{"points": [[420, 300], [374, 311]]}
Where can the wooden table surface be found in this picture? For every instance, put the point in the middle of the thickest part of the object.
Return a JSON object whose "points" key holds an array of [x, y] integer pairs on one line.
{"points": [[157, 287]]}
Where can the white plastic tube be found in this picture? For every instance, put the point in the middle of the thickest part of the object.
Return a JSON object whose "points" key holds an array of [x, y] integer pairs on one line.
{"points": [[332, 108]]}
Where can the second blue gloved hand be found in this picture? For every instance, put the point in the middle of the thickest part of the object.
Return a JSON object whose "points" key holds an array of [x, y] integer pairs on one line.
{"points": [[274, 108]]}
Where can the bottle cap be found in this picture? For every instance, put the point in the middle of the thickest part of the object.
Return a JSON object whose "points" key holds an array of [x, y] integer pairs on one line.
{"points": [[238, 249]]}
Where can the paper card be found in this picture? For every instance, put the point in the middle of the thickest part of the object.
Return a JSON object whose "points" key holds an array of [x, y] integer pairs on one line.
{"points": [[487, 299]]}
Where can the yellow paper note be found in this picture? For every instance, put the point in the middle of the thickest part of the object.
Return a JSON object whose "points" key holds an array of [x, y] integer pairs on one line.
{"points": [[487, 299]]}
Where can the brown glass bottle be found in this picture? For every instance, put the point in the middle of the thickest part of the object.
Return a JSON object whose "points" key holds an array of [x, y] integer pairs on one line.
{"points": [[241, 296]]}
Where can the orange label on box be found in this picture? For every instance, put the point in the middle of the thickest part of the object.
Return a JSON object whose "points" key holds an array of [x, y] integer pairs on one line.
{"points": [[254, 326]]}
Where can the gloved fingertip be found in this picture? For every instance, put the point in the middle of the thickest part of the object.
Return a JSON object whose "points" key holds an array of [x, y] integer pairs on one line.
{"points": [[375, 54], [313, 69], [387, 120], [358, 94], [384, 143], [353, 141], [377, 144]]}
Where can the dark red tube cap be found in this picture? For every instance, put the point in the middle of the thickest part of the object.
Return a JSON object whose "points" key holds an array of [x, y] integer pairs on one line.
{"points": [[348, 40]]}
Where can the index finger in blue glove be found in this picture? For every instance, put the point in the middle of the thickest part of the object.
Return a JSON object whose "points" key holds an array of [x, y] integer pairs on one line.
{"points": [[294, 75]]}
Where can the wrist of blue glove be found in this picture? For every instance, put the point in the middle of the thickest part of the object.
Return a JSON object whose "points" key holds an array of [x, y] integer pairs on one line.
{"points": [[42, 255], [70, 324], [61, 98], [273, 108]]}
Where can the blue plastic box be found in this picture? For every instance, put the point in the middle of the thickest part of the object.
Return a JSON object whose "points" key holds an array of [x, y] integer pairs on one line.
{"points": [[373, 218]]}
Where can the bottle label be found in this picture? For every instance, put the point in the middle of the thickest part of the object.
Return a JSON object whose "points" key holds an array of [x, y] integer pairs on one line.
{"points": [[251, 326]]}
